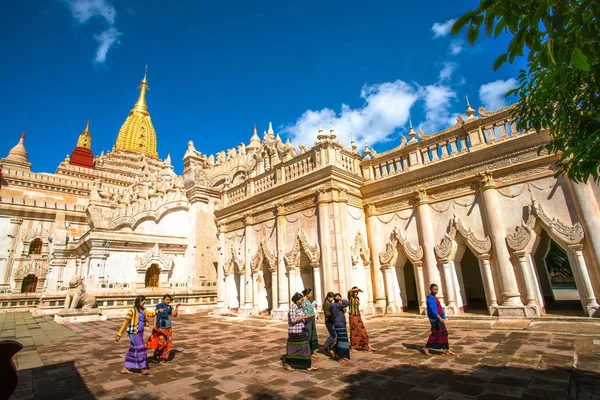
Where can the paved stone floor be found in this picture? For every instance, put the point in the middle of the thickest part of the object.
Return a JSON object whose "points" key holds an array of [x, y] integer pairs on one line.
{"points": [[227, 358]]}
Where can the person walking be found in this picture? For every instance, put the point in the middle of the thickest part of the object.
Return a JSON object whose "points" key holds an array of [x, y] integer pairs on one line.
{"points": [[135, 321], [359, 339], [330, 342], [438, 339], [311, 324], [161, 338], [298, 353], [338, 310]]}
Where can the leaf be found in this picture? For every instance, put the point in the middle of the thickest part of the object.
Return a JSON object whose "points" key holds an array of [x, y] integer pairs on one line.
{"points": [[501, 25], [489, 24], [500, 60], [551, 50], [472, 34], [579, 60], [461, 22]]}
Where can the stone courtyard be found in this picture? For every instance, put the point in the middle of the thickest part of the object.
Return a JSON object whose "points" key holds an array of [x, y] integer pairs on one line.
{"points": [[232, 358]]}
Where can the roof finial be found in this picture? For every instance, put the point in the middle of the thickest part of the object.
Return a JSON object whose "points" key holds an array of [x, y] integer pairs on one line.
{"points": [[23, 134], [470, 112], [87, 125], [270, 131], [411, 134], [140, 104]]}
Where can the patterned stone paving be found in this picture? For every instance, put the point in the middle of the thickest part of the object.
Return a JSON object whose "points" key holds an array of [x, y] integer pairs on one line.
{"points": [[227, 358]]}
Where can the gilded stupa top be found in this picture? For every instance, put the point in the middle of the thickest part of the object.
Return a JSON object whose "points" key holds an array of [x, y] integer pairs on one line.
{"points": [[137, 133], [85, 139]]}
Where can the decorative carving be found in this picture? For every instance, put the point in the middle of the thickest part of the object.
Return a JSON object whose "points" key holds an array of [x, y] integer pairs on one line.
{"points": [[523, 234], [76, 296], [263, 253], [414, 254], [235, 258], [453, 192], [37, 232], [34, 267], [360, 247], [486, 180], [445, 247], [300, 243], [569, 234], [421, 196], [481, 246], [153, 256], [397, 205]]}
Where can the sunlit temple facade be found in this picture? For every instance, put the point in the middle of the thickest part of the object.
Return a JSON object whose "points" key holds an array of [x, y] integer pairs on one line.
{"points": [[474, 208]]}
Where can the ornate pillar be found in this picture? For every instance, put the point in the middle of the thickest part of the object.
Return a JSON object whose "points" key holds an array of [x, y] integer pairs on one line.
{"points": [[426, 238], [377, 278], [255, 297], [389, 286], [274, 291], [221, 307], [15, 225], [451, 308], [497, 232], [523, 258], [588, 298], [291, 269], [246, 290], [317, 281], [488, 281], [284, 295], [588, 213], [421, 294], [242, 294], [325, 244]]}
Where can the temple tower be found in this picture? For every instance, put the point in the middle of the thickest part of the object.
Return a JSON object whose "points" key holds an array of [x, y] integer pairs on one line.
{"points": [[137, 133], [82, 155]]}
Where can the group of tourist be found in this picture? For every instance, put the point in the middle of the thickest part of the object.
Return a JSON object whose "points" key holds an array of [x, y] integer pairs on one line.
{"points": [[303, 344], [161, 338]]}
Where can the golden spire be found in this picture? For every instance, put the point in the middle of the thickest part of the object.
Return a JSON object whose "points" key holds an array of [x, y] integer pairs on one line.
{"points": [[140, 104], [85, 139], [137, 133]]}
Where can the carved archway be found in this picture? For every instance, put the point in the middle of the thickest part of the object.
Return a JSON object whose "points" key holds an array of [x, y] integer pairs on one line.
{"points": [[35, 268], [391, 249], [234, 258], [360, 251], [292, 258], [154, 257], [263, 253], [447, 246]]}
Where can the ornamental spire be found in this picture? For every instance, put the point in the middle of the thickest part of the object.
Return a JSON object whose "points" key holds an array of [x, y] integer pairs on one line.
{"points": [[140, 104]]}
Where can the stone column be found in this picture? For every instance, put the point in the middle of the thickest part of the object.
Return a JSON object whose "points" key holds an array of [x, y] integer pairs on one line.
{"points": [[493, 216], [283, 298], [221, 307], [488, 280], [377, 278], [528, 278], [588, 297], [421, 294], [274, 291], [426, 238], [242, 294], [317, 281], [588, 213], [324, 242], [248, 294], [255, 297], [389, 286], [15, 225], [451, 308], [291, 269]]}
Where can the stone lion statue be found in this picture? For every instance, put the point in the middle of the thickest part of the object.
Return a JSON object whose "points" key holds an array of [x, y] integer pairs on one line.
{"points": [[77, 297]]}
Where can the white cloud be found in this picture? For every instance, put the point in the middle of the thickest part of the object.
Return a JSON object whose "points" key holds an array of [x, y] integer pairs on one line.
{"points": [[437, 99], [105, 40], [448, 70], [84, 10], [492, 94], [442, 29], [386, 108], [456, 46]]}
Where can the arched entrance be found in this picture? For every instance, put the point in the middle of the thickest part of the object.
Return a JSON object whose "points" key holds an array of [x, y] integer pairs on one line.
{"points": [[361, 271], [29, 284], [472, 292], [555, 277], [152, 276], [264, 278], [303, 267], [264, 291], [403, 274]]}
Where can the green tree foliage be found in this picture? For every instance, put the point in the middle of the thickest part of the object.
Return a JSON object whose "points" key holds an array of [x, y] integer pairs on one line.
{"points": [[560, 90], [558, 261]]}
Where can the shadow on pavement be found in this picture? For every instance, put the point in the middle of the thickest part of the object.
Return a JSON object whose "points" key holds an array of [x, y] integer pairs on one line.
{"points": [[58, 381]]}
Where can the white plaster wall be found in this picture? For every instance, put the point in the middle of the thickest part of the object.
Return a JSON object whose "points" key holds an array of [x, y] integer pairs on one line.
{"points": [[176, 223]]}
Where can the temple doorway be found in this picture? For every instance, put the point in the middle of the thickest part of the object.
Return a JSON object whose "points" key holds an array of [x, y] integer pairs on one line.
{"points": [[472, 291], [411, 301], [264, 289], [306, 273], [29, 284], [555, 277], [152, 276]]}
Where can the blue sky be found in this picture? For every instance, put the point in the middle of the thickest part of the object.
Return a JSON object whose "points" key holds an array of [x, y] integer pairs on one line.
{"points": [[215, 69]]}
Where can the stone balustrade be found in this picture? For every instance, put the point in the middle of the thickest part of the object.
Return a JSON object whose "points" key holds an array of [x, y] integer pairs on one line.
{"points": [[455, 141], [21, 201]]}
